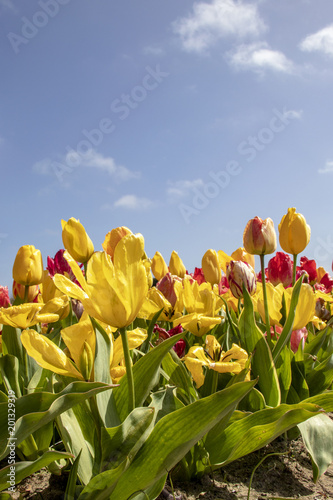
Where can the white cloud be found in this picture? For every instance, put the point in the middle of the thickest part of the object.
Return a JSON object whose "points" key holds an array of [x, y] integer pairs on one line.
{"points": [[133, 202], [220, 18], [8, 4], [327, 169], [322, 41], [74, 161], [181, 189], [259, 57]]}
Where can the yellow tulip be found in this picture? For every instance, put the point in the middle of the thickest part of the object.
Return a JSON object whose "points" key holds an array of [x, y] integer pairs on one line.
{"points": [[48, 355], [274, 298], [112, 239], [20, 291], [211, 267], [198, 324], [28, 266], [259, 237], [113, 292], [26, 315], [176, 265], [232, 361], [76, 241], [158, 266], [306, 305], [200, 298], [294, 232], [244, 256]]}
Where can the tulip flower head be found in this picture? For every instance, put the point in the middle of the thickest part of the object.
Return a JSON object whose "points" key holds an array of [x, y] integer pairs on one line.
{"points": [[159, 266], [238, 274], [112, 239], [28, 266], [76, 241], [176, 265], [4, 297], [259, 236], [294, 232], [211, 267], [19, 290], [280, 269]]}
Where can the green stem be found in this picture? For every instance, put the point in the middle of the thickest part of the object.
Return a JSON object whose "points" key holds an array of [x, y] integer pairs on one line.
{"points": [[129, 370], [294, 268], [26, 292], [264, 291]]}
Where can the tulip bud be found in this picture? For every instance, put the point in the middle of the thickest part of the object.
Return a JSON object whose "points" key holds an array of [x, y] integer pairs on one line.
{"points": [[86, 360], [4, 297], [176, 265], [112, 239], [211, 267], [19, 290], [259, 236], [158, 266], [280, 269], [28, 266], [240, 273], [167, 287], [76, 241], [294, 232]]}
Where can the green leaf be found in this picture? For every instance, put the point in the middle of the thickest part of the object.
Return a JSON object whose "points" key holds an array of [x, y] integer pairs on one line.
{"points": [[123, 441], [283, 369], [288, 327], [173, 436], [76, 427], [25, 469], [321, 377], [145, 345], [102, 486], [164, 402], [72, 479], [9, 367], [324, 401], [180, 377], [146, 375], [33, 411], [317, 434], [255, 343], [255, 430]]}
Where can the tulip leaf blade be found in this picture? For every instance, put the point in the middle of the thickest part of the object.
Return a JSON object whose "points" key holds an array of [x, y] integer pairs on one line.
{"points": [[146, 374], [317, 434], [24, 469], [262, 364], [35, 410], [255, 430], [288, 326], [172, 438], [321, 377]]}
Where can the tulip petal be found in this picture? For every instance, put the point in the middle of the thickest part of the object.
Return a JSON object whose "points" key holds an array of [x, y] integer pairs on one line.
{"points": [[48, 355]]}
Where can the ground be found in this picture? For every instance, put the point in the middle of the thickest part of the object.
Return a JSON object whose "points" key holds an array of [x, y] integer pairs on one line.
{"points": [[287, 476]]}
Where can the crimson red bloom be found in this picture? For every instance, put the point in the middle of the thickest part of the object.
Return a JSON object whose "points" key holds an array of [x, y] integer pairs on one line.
{"points": [[280, 269], [59, 265], [4, 297], [198, 275], [180, 346], [310, 267]]}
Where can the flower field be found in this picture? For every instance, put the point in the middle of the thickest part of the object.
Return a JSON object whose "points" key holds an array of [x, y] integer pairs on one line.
{"points": [[122, 371]]}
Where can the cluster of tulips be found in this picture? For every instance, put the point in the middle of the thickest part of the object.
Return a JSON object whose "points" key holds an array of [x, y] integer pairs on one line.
{"points": [[126, 369]]}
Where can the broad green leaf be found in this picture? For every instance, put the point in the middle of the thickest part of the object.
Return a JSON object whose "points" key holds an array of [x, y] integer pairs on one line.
{"points": [[76, 427], [153, 491], [262, 365], [173, 436], [33, 411], [323, 400], [164, 402], [288, 327], [321, 377], [146, 375], [300, 390], [102, 486], [255, 431], [315, 344], [123, 441], [283, 369], [25, 469], [180, 377], [317, 434]]}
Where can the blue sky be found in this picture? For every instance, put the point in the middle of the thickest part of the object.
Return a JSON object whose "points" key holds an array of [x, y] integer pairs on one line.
{"points": [[180, 120]]}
